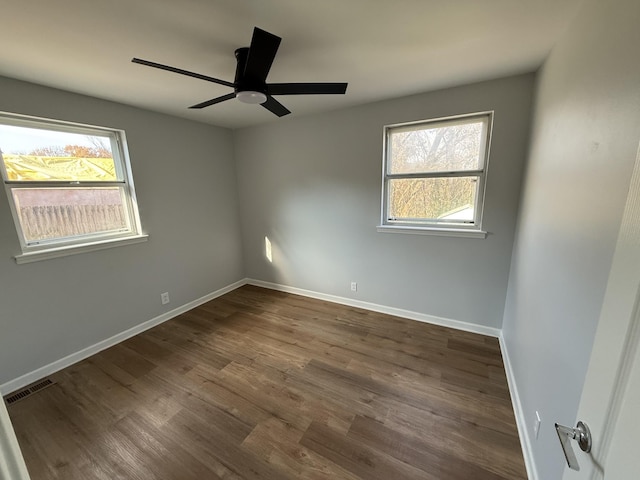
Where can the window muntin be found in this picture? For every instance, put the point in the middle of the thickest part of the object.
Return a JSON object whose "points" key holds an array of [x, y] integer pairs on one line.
{"points": [[67, 184], [434, 172]]}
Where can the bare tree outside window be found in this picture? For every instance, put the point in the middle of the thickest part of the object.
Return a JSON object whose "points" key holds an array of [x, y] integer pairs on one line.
{"points": [[434, 171]]}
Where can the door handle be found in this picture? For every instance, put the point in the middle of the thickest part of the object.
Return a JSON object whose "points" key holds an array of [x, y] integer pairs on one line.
{"points": [[581, 434]]}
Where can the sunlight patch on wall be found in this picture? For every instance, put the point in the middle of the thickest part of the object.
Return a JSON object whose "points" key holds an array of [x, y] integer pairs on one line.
{"points": [[267, 249]]}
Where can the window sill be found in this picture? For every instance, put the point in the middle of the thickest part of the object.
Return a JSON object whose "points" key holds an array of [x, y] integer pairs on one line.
{"points": [[446, 232], [49, 253]]}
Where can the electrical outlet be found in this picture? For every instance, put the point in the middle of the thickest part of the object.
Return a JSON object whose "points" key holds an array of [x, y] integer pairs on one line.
{"points": [[536, 425], [354, 286], [164, 298]]}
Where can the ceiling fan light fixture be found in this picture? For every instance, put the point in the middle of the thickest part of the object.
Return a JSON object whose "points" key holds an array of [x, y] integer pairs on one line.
{"points": [[252, 97]]}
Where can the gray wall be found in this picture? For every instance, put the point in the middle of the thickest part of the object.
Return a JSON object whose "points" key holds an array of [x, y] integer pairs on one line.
{"points": [[312, 185], [185, 183], [585, 138]]}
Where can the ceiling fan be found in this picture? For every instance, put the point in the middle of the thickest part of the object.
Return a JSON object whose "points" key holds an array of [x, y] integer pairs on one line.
{"points": [[250, 85]]}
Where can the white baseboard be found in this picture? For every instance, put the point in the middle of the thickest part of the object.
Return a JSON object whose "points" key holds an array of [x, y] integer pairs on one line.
{"points": [[31, 377], [521, 423], [398, 312]]}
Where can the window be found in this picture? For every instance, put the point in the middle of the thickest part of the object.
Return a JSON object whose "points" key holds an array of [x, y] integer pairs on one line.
{"points": [[434, 175], [69, 186]]}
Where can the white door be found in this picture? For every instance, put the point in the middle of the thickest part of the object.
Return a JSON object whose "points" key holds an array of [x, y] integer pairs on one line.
{"points": [[12, 465], [610, 403]]}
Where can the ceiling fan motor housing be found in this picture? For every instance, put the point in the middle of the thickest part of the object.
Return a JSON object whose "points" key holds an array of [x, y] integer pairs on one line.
{"points": [[242, 81]]}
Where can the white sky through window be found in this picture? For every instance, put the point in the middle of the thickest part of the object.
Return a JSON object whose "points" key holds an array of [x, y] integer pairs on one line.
{"points": [[22, 140]]}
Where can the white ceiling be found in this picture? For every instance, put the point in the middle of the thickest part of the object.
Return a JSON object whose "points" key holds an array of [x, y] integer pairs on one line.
{"points": [[383, 48]]}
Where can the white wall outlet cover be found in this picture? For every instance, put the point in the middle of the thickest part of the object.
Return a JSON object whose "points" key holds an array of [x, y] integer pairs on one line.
{"points": [[164, 297]]}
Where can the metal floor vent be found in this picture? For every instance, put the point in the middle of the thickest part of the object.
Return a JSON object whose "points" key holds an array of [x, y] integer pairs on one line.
{"points": [[25, 392]]}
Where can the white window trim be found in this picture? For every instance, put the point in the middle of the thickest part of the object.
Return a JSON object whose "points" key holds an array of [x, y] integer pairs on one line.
{"points": [[67, 250], [446, 229], [47, 249], [444, 232]]}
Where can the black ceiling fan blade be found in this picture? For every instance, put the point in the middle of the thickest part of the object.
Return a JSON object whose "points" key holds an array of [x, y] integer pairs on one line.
{"points": [[262, 51], [213, 101], [182, 72], [275, 107], [306, 88]]}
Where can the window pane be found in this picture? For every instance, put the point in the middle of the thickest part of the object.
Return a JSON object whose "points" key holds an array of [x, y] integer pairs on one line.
{"points": [[427, 149], [48, 213], [437, 200], [34, 154]]}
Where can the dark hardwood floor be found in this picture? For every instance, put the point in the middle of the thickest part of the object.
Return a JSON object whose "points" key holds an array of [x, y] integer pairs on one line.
{"points": [[259, 384]]}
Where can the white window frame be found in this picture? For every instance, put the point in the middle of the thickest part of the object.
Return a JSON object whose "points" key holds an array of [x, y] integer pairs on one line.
{"points": [[431, 227], [56, 247]]}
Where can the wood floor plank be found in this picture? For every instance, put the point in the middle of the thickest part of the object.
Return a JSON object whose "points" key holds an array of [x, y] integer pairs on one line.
{"points": [[168, 458], [357, 457], [278, 443], [489, 448], [265, 385], [413, 451]]}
